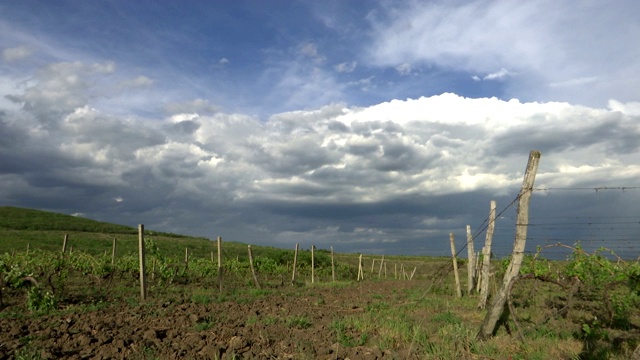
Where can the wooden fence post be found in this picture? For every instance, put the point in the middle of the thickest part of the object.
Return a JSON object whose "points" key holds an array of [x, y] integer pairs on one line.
{"points": [[64, 243], [455, 265], [220, 269], [471, 266], [486, 258], [295, 263], [333, 267], [380, 270], [141, 252], [522, 222], [312, 263], [253, 270], [113, 252], [360, 272]]}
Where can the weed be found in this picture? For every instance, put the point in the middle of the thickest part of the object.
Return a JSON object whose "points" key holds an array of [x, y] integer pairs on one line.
{"points": [[299, 321]]}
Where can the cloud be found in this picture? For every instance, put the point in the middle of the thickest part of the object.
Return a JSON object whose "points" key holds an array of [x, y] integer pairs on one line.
{"points": [[16, 53], [548, 44], [498, 75], [137, 82], [380, 177], [346, 67], [199, 106], [404, 69]]}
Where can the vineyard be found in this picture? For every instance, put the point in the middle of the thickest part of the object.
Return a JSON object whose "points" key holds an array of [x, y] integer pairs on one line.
{"points": [[85, 302]]}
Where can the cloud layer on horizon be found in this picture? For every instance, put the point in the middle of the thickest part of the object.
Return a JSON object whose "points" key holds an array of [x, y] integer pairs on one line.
{"points": [[372, 179]]}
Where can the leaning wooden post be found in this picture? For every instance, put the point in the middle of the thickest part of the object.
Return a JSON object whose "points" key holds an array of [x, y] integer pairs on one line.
{"points": [[113, 251], [220, 269], [360, 272], [253, 270], [486, 258], [471, 266], [522, 222], [333, 267], [143, 282], [380, 270], [455, 264], [64, 243], [313, 264], [295, 262]]}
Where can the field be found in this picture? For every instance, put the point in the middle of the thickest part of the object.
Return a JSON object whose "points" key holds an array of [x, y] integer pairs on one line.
{"points": [[80, 305]]}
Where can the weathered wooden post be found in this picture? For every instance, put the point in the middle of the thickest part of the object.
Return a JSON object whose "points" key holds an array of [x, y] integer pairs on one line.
{"points": [[253, 270], [360, 272], [455, 265], [113, 251], [522, 222], [220, 269], [380, 270], [333, 267], [486, 257], [141, 253], [471, 266], [64, 243], [313, 264], [295, 263]]}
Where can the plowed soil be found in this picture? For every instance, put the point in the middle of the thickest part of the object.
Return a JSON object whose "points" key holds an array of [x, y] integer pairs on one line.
{"points": [[285, 322]]}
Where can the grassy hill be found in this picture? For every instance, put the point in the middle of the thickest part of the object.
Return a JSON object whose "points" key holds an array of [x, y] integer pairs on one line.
{"points": [[21, 228], [42, 230]]}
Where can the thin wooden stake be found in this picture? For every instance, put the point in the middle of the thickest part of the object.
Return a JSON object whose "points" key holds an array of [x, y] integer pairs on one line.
{"points": [[360, 272], [522, 222], [113, 251], [220, 269], [141, 252], [455, 265], [253, 270], [486, 258], [471, 266], [295, 263], [64, 243], [333, 267], [413, 272], [380, 270], [313, 265]]}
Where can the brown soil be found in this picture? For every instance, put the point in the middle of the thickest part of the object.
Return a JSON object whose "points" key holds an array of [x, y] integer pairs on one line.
{"points": [[282, 323]]}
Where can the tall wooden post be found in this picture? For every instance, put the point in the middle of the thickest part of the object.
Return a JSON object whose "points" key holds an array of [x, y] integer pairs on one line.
{"points": [[64, 243], [313, 264], [333, 267], [471, 264], [220, 269], [295, 263], [360, 271], [486, 257], [380, 270], [113, 252], [455, 265], [522, 222], [253, 270], [141, 252]]}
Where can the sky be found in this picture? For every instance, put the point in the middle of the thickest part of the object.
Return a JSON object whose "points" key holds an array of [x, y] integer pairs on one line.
{"points": [[367, 126]]}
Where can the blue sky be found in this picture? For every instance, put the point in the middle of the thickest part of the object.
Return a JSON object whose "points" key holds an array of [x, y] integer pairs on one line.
{"points": [[346, 123]]}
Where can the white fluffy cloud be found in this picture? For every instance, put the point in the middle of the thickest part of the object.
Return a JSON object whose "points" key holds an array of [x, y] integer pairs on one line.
{"points": [[16, 53], [554, 47], [364, 177]]}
